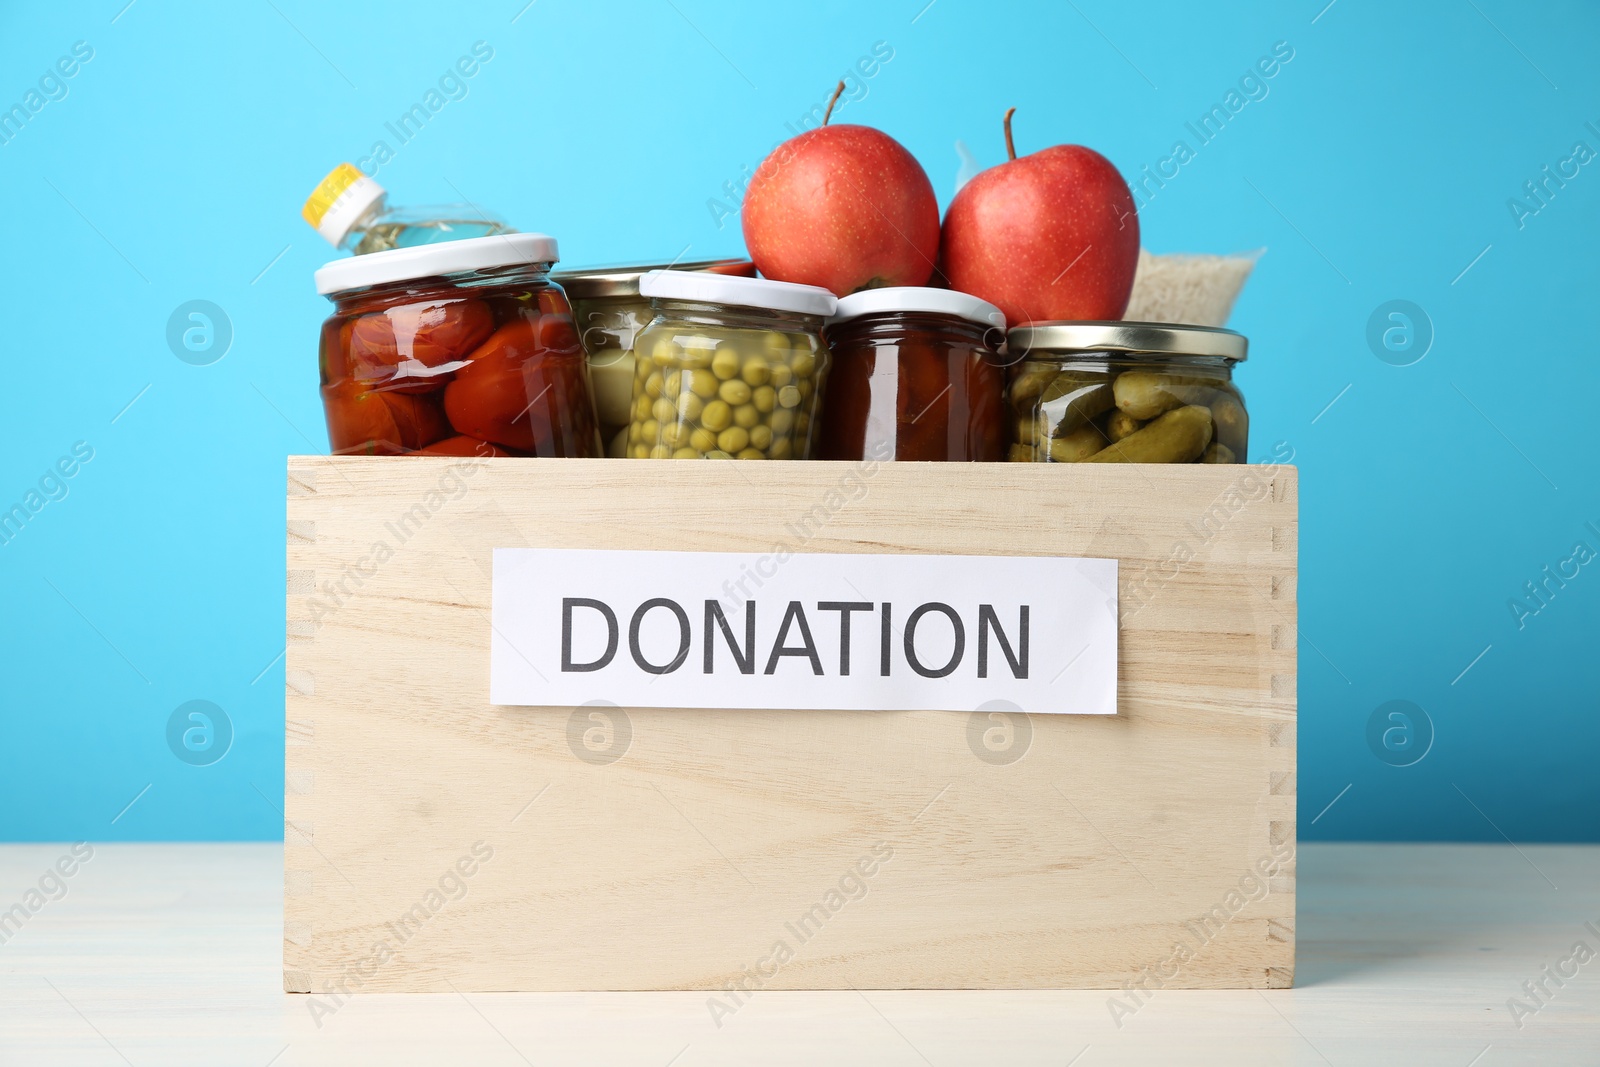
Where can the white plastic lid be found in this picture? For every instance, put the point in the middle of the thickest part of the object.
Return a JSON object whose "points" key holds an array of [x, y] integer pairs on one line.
{"points": [[913, 298], [430, 261], [707, 288]]}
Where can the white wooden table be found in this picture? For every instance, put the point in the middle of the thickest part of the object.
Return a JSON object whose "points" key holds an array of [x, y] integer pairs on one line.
{"points": [[164, 955]]}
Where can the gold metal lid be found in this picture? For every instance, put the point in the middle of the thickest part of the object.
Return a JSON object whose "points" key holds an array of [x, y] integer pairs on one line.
{"points": [[1135, 338], [591, 282]]}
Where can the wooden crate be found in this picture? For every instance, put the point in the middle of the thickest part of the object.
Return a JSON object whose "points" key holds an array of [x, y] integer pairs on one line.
{"points": [[434, 840]]}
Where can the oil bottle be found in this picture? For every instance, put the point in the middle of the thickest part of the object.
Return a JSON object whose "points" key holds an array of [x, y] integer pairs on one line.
{"points": [[351, 211]]}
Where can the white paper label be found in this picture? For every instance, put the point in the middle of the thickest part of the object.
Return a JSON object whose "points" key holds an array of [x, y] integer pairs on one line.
{"points": [[803, 630]]}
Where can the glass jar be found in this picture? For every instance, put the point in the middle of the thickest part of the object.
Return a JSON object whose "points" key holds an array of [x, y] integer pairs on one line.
{"points": [[916, 376], [609, 312], [460, 348], [1127, 392], [729, 368]]}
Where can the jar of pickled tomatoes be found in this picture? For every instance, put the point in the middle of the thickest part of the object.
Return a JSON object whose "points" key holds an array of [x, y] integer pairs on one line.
{"points": [[729, 368], [916, 375], [459, 348]]}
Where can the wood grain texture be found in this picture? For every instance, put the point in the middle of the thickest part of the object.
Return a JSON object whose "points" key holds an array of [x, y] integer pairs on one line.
{"points": [[688, 861]]}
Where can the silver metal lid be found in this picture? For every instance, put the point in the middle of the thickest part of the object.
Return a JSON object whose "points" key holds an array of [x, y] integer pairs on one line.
{"points": [[1131, 337], [591, 282]]}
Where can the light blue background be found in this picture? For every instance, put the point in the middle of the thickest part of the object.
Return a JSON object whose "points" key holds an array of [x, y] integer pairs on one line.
{"points": [[1378, 167]]}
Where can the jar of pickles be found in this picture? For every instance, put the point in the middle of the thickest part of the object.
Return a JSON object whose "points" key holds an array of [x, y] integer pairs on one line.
{"points": [[729, 368], [1127, 392], [610, 312], [458, 348], [916, 376]]}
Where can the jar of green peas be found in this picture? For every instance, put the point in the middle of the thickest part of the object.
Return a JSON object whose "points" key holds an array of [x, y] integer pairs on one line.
{"points": [[728, 368]]}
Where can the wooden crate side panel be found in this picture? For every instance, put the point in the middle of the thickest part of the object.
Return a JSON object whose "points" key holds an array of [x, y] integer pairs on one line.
{"points": [[718, 833]]}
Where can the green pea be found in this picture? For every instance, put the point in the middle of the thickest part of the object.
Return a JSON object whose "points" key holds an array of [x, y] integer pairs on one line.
{"points": [[717, 416], [755, 371], [664, 352], [676, 434], [703, 384]]}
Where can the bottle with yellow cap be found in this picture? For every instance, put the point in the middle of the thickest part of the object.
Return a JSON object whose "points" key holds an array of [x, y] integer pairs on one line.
{"points": [[352, 213]]}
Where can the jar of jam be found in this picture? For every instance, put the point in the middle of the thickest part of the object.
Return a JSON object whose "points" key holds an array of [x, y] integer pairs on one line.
{"points": [[1127, 392], [609, 311], [459, 348], [916, 375], [729, 368]]}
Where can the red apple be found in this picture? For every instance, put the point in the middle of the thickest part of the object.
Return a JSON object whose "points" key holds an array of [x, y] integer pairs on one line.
{"points": [[1054, 235], [843, 207]]}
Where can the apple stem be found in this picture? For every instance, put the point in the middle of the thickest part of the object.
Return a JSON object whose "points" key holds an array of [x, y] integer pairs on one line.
{"points": [[831, 101], [1011, 146]]}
